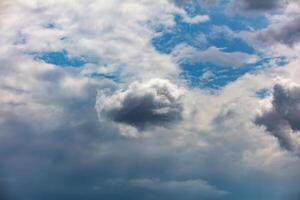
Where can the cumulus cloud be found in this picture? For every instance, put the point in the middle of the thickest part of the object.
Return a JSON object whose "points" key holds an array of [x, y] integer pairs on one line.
{"points": [[142, 104], [282, 118], [184, 53]]}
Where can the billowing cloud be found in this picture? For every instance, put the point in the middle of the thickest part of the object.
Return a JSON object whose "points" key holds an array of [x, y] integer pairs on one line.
{"points": [[282, 118], [142, 104]]}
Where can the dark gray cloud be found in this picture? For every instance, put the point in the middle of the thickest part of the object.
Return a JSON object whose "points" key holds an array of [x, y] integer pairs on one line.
{"points": [[264, 5], [286, 32], [257, 6], [154, 103], [283, 119]]}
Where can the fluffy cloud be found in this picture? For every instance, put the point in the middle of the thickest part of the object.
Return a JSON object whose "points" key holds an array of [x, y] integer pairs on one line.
{"points": [[142, 105], [282, 118], [212, 55], [124, 28]]}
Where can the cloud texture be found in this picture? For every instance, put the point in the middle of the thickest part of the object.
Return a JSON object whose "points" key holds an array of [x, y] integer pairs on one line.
{"points": [[65, 130], [142, 105], [282, 119]]}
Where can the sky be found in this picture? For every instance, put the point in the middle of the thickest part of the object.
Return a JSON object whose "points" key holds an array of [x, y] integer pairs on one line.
{"points": [[149, 100]]}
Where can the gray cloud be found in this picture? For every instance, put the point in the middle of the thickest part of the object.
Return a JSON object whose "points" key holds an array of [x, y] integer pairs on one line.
{"points": [[257, 6], [261, 5], [286, 32], [155, 189], [154, 103], [283, 119]]}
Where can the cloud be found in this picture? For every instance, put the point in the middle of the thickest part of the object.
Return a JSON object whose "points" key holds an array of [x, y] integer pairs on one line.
{"points": [[196, 20], [286, 32], [191, 19], [282, 118], [125, 29], [257, 6], [143, 104], [212, 55], [266, 7], [204, 147], [153, 189]]}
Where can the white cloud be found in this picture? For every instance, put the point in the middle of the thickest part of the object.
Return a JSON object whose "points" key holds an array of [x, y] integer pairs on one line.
{"points": [[212, 55], [124, 28], [196, 20]]}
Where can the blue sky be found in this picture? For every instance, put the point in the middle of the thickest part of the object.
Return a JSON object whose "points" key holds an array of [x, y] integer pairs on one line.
{"points": [[152, 100]]}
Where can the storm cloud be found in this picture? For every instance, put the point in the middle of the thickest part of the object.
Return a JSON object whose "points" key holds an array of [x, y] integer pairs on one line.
{"points": [[282, 119], [153, 103]]}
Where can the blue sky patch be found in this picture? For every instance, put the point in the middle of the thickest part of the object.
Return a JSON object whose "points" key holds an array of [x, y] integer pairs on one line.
{"points": [[215, 77], [61, 58], [262, 93]]}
